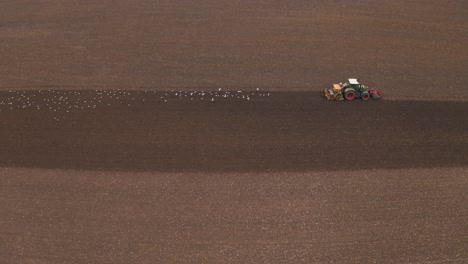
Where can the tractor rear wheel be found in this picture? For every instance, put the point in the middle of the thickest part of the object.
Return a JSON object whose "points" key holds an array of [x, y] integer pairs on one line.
{"points": [[350, 95], [365, 96]]}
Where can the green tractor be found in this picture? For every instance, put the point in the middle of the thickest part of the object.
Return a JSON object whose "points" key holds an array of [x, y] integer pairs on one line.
{"points": [[350, 90]]}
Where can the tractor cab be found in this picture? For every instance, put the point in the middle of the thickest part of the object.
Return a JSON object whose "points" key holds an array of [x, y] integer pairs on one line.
{"points": [[354, 83]]}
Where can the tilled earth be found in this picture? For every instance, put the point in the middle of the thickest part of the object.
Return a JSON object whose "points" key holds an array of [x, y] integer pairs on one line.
{"points": [[411, 50], [362, 216], [161, 131], [241, 176], [226, 131]]}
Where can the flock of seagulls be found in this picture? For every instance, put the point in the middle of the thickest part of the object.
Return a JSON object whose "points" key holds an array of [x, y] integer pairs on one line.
{"points": [[214, 95], [61, 102]]}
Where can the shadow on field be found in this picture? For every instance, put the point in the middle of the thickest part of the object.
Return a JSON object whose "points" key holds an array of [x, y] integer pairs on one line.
{"points": [[287, 131]]}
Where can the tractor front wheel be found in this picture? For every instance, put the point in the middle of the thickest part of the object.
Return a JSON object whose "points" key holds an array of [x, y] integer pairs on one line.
{"points": [[350, 95], [365, 96]]}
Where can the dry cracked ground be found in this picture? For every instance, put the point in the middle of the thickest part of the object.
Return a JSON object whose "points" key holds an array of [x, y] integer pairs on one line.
{"points": [[194, 132]]}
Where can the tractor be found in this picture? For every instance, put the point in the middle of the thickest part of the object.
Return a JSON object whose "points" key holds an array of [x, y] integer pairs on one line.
{"points": [[350, 90]]}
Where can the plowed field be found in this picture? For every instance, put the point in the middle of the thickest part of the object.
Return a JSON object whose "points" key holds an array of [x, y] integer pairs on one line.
{"points": [[194, 132]]}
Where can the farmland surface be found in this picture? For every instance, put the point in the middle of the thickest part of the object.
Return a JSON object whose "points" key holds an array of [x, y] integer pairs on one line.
{"points": [[411, 50], [181, 132]]}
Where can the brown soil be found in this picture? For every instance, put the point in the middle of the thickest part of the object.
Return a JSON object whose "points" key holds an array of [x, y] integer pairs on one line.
{"points": [[93, 174], [177, 131], [288, 177], [411, 50]]}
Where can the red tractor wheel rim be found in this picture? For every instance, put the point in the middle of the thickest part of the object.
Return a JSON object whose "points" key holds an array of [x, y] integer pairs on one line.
{"points": [[365, 97], [349, 95]]}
